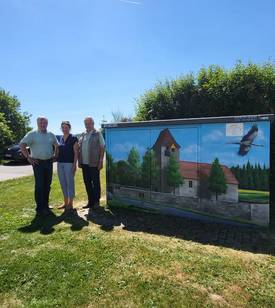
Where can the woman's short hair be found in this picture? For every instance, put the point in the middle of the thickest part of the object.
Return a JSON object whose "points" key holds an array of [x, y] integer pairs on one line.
{"points": [[66, 123]]}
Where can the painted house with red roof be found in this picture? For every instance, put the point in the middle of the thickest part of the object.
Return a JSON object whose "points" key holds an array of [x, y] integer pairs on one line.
{"points": [[195, 174]]}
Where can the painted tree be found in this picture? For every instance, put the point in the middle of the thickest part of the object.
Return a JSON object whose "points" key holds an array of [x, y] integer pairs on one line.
{"points": [[122, 169], [250, 178], [255, 177], [174, 178], [150, 172], [111, 169], [265, 178], [217, 183], [134, 167]]}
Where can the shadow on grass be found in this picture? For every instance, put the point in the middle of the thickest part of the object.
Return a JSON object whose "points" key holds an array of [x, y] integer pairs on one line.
{"points": [[252, 239], [103, 217], [46, 224], [77, 223]]}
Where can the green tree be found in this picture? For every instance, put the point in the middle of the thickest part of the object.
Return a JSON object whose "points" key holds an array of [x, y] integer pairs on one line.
{"points": [[5, 134], [134, 167], [265, 178], [214, 91], [249, 176], [217, 183], [118, 116], [257, 177], [111, 169], [150, 172], [122, 170], [244, 178], [14, 124], [174, 178]]}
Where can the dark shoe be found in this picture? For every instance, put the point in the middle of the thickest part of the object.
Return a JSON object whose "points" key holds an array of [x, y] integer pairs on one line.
{"points": [[69, 208], [39, 215], [66, 211], [90, 213], [46, 212]]}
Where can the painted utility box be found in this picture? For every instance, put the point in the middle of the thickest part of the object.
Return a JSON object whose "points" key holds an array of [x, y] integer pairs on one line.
{"points": [[206, 167]]}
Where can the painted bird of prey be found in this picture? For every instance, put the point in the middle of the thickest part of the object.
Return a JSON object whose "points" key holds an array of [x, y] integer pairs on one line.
{"points": [[247, 141]]}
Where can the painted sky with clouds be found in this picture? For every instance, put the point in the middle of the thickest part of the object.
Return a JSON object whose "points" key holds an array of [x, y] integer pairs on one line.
{"points": [[215, 143], [202, 143]]}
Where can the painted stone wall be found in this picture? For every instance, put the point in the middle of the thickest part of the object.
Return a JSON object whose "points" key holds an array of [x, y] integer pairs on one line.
{"points": [[245, 211]]}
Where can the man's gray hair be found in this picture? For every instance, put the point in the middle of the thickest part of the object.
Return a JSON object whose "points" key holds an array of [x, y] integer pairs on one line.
{"points": [[41, 118], [89, 118]]}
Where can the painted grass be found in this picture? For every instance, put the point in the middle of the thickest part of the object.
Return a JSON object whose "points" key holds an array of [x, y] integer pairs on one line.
{"points": [[81, 264], [253, 195]]}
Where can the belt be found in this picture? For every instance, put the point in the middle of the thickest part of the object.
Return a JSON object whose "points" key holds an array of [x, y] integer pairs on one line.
{"points": [[43, 160]]}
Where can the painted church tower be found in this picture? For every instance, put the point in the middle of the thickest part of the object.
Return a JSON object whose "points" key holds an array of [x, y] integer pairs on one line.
{"points": [[164, 147]]}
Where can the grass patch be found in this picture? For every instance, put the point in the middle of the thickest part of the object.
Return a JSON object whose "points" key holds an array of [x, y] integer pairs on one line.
{"points": [[255, 196], [144, 260]]}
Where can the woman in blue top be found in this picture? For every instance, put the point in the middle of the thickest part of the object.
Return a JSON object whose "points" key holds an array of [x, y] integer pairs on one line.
{"points": [[67, 164]]}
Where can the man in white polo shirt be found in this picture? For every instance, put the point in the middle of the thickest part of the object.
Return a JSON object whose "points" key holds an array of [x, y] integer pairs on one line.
{"points": [[44, 149]]}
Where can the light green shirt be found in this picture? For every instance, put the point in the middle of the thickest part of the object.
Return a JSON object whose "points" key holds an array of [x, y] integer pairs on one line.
{"points": [[41, 144], [85, 146]]}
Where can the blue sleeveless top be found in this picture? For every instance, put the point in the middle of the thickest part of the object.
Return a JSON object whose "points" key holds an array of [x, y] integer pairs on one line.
{"points": [[66, 149]]}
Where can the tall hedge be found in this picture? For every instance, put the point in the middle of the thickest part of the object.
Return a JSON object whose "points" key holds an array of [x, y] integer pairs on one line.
{"points": [[214, 91]]}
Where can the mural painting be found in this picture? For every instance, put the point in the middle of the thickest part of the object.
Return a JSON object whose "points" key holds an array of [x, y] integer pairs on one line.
{"points": [[218, 169]]}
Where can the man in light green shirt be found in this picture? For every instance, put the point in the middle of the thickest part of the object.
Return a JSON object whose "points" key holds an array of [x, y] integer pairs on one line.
{"points": [[44, 149], [41, 144]]}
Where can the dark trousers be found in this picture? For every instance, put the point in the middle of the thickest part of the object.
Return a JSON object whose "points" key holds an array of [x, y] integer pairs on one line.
{"points": [[43, 172], [92, 183]]}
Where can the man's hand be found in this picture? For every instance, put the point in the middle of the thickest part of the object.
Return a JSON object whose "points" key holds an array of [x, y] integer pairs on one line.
{"points": [[32, 161], [100, 165], [56, 152]]}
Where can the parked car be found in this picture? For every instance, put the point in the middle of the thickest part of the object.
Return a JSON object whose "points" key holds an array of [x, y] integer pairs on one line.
{"points": [[13, 152]]}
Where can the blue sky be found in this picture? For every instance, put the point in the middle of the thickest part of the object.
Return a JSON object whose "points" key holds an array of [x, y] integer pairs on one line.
{"points": [[67, 59], [201, 143]]}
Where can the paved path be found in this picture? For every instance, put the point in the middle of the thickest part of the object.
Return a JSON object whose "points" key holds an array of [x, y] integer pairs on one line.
{"points": [[14, 170]]}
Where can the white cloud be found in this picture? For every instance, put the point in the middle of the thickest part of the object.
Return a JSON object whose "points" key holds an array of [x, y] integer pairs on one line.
{"points": [[126, 147], [131, 2], [191, 149], [213, 136]]}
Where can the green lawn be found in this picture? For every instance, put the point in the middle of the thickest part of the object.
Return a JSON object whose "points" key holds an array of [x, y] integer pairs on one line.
{"points": [[125, 259], [254, 195]]}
